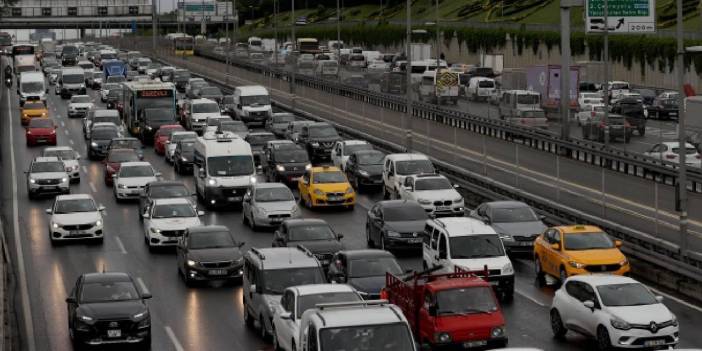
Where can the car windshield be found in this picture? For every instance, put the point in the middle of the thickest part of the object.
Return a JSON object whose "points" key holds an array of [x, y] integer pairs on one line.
{"points": [[159, 114], [32, 87], [210, 107], [259, 139], [81, 99], [136, 171], [306, 302], [181, 75], [108, 292], [322, 132], [329, 177], [528, 99], [275, 281], [384, 337], [628, 294], [274, 194], [33, 106], [230, 166], [72, 78], [168, 191], [41, 123], [61, 154], [211, 240], [104, 133], [473, 300], [432, 184], [486, 84], [75, 205], [309, 232], [283, 118], [370, 158], [125, 144], [41, 167], [373, 267], [513, 215], [688, 150], [476, 246], [410, 212], [414, 167], [349, 149], [107, 119], [587, 241], [110, 86], [119, 156], [174, 211], [291, 156], [255, 100], [233, 126]]}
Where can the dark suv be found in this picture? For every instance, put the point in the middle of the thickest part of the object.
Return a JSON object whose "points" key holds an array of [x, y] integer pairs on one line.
{"points": [[152, 119], [665, 106], [318, 139], [594, 128], [210, 252], [633, 110], [286, 165]]}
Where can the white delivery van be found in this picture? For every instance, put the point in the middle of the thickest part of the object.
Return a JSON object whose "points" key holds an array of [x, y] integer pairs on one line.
{"points": [[523, 107], [31, 87], [480, 88], [252, 104]]}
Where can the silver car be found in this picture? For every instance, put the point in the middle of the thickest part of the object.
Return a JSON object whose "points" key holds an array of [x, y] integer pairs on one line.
{"points": [[517, 224], [268, 204]]}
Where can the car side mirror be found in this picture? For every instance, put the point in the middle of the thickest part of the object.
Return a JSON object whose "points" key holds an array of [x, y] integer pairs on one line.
{"points": [[241, 244], [542, 217], [71, 299], [49, 211], [146, 296], [200, 213], [286, 316], [556, 246], [618, 243], [339, 236], [659, 298], [589, 304], [101, 208]]}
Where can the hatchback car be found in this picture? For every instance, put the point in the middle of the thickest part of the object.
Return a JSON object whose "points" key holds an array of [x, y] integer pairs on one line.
{"points": [[669, 151], [69, 157], [364, 169], [364, 270], [101, 136], [516, 223], [33, 109], [268, 204], [131, 179], [127, 143], [286, 164], [167, 219], [75, 217], [183, 156], [79, 105], [314, 234], [207, 253], [164, 189], [326, 187], [278, 123], [40, 131], [163, 135], [395, 224]]}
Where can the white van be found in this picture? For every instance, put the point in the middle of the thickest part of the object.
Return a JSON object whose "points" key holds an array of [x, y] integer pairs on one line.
{"points": [[396, 167], [357, 61], [523, 107], [71, 82], [327, 68], [223, 167], [31, 87], [472, 245], [252, 104], [480, 88], [421, 66], [438, 91]]}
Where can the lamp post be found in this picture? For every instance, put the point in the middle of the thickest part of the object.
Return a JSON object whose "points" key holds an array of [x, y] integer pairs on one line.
{"points": [[338, 40], [407, 118]]}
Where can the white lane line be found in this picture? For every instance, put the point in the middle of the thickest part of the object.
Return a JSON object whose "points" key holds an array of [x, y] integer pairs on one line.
{"points": [[63, 124], [142, 286], [671, 297], [26, 308], [529, 297], [65, 131], [92, 187], [121, 245], [85, 169], [70, 141], [174, 339]]}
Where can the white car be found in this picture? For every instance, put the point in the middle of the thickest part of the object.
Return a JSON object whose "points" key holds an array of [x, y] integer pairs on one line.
{"points": [[75, 217], [617, 311], [434, 193], [69, 157], [298, 299], [80, 105], [668, 151], [585, 99], [131, 179], [343, 149], [175, 138], [269, 204], [47, 175], [588, 111], [167, 220]]}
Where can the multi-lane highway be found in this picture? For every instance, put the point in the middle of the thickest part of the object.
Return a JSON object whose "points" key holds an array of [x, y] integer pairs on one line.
{"points": [[200, 318]]}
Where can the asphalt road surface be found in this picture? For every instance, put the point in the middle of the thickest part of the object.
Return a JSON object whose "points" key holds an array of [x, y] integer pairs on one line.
{"points": [[205, 317]]}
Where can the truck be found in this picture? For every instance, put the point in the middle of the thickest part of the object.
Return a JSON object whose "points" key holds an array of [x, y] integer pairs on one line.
{"points": [[457, 309], [308, 46], [420, 51], [546, 80], [439, 87], [114, 67]]}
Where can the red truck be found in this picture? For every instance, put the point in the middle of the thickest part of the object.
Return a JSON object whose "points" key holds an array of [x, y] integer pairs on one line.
{"points": [[454, 310]]}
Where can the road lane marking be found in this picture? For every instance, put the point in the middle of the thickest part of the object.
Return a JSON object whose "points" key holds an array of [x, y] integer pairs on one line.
{"points": [[26, 308], [174, 339], [65, 131], [63, 124], [142, 286], [70, 141], [121, 245], [680, 301], [85, 169], [529, 297], [92, 187]]}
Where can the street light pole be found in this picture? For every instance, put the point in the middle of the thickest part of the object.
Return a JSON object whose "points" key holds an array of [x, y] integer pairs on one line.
{"points": [[407, 120], [154, 17], [565, 67], [275, 33], [436, 26], [682, 168], [294, 47], [606, 73], [338, 41]]}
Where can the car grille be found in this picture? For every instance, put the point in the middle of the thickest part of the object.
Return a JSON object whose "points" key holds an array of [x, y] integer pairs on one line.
{"points": [[77, 227], [172, 233], [48, 181], [491, 272], [279, 216], [259, 115], [602, 268], [335, 194], [33, 97], [442, 203], [525, 237], [410, 235], [218, 264], [327, 144]]}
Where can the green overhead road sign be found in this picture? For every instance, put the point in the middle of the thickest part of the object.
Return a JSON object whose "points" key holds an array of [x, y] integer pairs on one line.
{"points": [[624, 16]]}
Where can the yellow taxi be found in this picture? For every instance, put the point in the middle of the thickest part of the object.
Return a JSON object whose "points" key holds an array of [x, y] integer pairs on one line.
{"points": [[33, 109], [577, 249], [326, 187]]}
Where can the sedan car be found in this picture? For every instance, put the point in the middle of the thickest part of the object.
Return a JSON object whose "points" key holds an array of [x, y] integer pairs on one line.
{"points": [[79, 105], [257, 140], [326, 187], [108, 308], [40, 131], [278, 123], [669, 151], [175, 137], [131, 179], [101, 136], [163, 135], [75, 217], [314, 234], [69, 157], [114, 160], [167, 220], [364, 270], [164, 189], [127, 143], [517, 224], [618, 312], [207, 253], [268, 204], [395, 224], [364, 169]]}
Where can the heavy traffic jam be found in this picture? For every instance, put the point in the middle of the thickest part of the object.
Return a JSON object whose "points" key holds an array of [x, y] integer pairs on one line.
{"points": [[282, 175]]}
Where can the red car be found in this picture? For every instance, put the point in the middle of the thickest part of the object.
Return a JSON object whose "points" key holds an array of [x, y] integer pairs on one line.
{"points": [[114, 161], [164, 134], [41, 130]]}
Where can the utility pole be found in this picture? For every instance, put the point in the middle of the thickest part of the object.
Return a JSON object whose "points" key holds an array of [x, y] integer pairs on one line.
{"points": [[438, 52], [338, 41], [294, 47], [203, 29], [565, 67], [407, 120], [154, 17], [275, 33], [682, 142], [606, 73]]}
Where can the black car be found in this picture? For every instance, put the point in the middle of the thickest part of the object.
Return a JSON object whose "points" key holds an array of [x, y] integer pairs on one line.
{"points": [[180, 77], [69, 55], [183, 156], [127, 143], [588, 87], [278, 123], [113, 97], [318, 139], [665, 106], [210, 252], [647, 95], [152, 119], [100, 138], [364, 168], [364, 270], [163, 189], [395, 224], [286, 165], [257, 140], [212, 93], [619, 128], [108, 308], [314, 234], [633, 111]]}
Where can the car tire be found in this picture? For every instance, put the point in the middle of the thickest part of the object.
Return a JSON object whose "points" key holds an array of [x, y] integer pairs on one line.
{"points": [[369, 240], [562, 275], [559, 330], [262, 328], [248, 320], [188, 282], [641, 130], [252, 223], [382, 242], [386, 195], [603, 341], [540, 275]]}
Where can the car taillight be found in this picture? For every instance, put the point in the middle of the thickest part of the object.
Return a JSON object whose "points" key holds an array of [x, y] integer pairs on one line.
{"points": [[670, 156], [602, 125]]}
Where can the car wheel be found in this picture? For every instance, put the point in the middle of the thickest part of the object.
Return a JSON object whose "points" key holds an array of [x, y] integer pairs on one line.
{"points": [[559, 330], [369, 240], [562, 275], [386, 195], [248, 320], [540, 277], [642, 131], [356, 185], [603, 341], [188, 282], [252, 223]]}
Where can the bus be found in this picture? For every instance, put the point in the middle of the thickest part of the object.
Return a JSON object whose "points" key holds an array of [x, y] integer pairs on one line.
{"points": [[145, 94], [308, 46], [184, 46], [22, 49], [5, 43]]}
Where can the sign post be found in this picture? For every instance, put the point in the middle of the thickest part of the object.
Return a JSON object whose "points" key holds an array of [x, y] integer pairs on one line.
{"points": [[621, 16]]}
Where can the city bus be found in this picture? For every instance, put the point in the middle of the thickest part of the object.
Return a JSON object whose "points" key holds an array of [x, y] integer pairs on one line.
{"points": [[145, 94], [23, 49], [184, 46]]}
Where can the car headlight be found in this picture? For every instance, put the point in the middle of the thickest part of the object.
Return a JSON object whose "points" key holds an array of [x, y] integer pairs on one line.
{"points": [[93, 144], [308, 167], [64, 179], [191, 263], [55, 225], [674, 321], [508, 269], [458, 200], [84, 318], [154, 230], [364, 173], [577, 265], [497, 332], [442, 338], [392, 234], [140, 315], [349, 190], [253, 180], [424, 201], [624, 262], [212, 181], [149, 128], [33, 181], [315, 144], [98, 223], [259, 209], [280, 168], [43, 114], [619, 324], [506, 237], [318, 192], [184, 159]]}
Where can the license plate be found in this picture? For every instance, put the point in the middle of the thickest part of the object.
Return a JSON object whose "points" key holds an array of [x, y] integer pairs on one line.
{"points": [[477, 343], [655, 342], [325, 262], [673, 113], [414, 240], [442, 208], [334, 198], [294, 179], [51, 187], [41, 140], [114, 333], [616, 127], [74, 232], [234, 198], [217, 272], [525, 243]]}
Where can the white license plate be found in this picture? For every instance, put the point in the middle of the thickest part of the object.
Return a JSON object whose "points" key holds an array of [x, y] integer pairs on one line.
{"points": [[477, 343], [114, 333], [74, 232], [414, 240], [294, 179], [234, 198], [217, 272], [655, 342], [334, 198], [673, 113], [443, 208], [525, 243], [50, 187]]}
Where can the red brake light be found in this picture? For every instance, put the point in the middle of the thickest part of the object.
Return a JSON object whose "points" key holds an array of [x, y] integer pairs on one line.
{"points": [[670, 156]]}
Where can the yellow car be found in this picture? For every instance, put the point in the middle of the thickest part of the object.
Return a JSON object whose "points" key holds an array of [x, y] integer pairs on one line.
{"points": [[33, 109], [326, 187], [577, 249]]}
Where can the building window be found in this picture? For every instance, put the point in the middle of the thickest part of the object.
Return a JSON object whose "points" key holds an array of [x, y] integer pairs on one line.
{"points": [[102, 11], [133, 10], [46, 11], [73, 11], [16, 12]]}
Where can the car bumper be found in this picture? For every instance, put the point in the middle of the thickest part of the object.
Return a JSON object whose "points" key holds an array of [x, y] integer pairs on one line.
{"points": [[472, 344], [77, 113], [224, 195], [346, 200], [41, 139], [274, 219], [320, 153], [158, 239], [370, 181], [61, 233], [444, 211], [595, 269], [130, 193], [207, 274], [49, 189], [643, 338], [98, 152], [95, 337], [403, 242], [198, 127], [519, 246], [253, 119], [289, 177]]}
